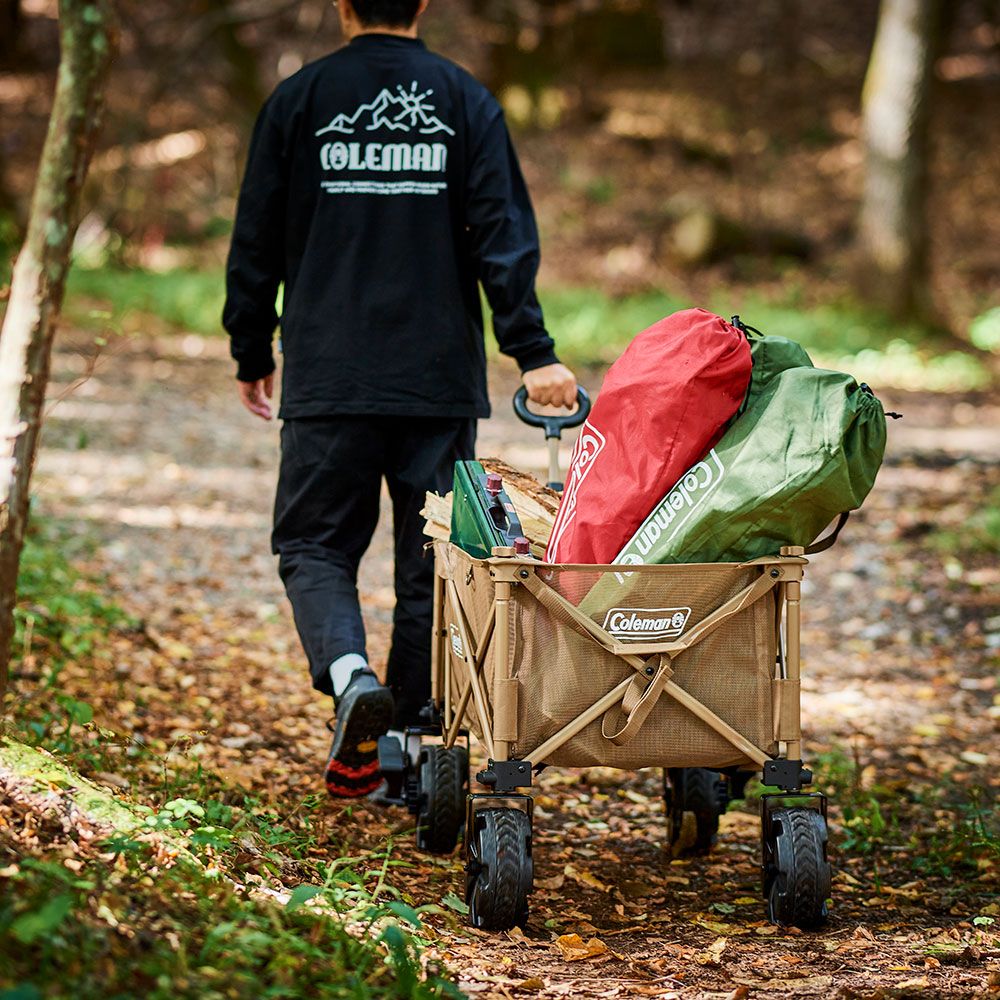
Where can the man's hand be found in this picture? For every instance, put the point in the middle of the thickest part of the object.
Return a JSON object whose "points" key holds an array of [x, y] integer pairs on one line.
{"points": [[553, 385], [255, 395]]}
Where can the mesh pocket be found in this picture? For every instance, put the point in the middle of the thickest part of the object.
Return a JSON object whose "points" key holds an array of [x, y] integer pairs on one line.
{"points": [[562, 673]]}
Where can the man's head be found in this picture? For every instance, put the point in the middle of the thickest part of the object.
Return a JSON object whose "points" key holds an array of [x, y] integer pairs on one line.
{"points": [[399, 16]]}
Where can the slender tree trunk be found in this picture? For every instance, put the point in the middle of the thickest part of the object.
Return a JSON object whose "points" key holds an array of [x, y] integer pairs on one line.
{"points": [[893, 226], [87, 32]]}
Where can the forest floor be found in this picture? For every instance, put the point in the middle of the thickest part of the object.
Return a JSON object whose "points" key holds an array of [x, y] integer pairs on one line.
{"points": [[154, 461]]}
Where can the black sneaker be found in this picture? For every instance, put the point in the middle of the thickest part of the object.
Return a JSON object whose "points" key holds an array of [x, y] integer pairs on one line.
{"points": [[364, 713]]}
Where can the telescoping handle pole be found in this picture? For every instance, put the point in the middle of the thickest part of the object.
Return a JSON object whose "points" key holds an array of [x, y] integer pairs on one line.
{"points": [[553, 424]]}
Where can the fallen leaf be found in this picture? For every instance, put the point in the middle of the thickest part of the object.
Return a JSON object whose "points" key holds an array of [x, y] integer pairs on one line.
{"points": [[518, 936], [532, 985], [556, 882], [811, 985], [574, 949], [585, 878], [713, 954], [718, 927]]}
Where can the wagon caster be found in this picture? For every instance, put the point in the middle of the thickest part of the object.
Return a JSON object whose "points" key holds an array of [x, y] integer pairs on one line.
{"points": [[499, 871], [796, 871], [695, 798], [443, 784]]}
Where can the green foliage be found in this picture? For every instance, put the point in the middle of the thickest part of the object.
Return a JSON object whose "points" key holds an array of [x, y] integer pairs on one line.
{"points": [[600, 190], [984, 330], [60, 616], [185, 299], [978, 533], [137, 929], [10, 240], [590, 326], [948, 826], [57, 604]]}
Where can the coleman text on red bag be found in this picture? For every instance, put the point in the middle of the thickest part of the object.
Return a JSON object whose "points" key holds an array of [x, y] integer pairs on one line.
{"points": [[663, 405]]}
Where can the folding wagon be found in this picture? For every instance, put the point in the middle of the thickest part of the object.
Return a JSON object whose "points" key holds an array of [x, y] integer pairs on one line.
{"points": [[693, 668]]}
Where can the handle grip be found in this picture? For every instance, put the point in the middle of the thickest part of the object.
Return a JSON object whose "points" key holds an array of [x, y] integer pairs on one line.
{"points": [[554, 424]]}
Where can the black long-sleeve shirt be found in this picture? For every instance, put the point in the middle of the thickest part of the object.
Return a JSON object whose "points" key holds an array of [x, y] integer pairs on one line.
{"points": [[381, 187]]}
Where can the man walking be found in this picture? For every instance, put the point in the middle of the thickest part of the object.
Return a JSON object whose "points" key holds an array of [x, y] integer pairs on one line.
{"points": [[381, 188]]}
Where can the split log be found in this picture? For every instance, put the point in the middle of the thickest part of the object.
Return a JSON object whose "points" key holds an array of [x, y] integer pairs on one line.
{"points": [[536, 506]]}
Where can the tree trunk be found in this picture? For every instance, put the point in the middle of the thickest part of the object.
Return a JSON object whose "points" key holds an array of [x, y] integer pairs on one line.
{"points": [[87, 32], [893, 227], [10, 30]]}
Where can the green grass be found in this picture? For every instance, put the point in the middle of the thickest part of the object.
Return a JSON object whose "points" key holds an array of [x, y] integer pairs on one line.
{"points": [[589, 326], [978, 533], [137, 929], [120, 923], [106, 298]]}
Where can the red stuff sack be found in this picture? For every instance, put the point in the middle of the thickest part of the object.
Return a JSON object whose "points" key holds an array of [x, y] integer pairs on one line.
{"points": [[664, 404]]}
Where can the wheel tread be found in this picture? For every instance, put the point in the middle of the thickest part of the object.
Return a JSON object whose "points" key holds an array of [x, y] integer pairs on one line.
{"points": [[503, 850], [439, 821], [798, 895]]}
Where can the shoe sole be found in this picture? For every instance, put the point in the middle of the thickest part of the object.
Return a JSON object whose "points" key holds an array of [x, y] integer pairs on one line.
{"points": [[352, 769]]}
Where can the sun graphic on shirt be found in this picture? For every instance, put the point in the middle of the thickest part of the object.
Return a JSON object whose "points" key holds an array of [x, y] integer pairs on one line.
{"points": [[417, 108]]}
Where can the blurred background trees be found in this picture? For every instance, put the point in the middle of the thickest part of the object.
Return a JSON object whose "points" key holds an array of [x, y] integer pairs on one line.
{"points": [[896, 109], [807, 156]]}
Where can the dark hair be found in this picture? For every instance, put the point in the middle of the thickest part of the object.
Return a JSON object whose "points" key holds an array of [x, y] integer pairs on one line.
{"points": [[386, 13]]}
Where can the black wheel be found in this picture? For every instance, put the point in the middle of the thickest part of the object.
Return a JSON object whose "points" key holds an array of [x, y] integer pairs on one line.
{"points": [[444, 784], [796, 871], [695, 799], [499, 870]]}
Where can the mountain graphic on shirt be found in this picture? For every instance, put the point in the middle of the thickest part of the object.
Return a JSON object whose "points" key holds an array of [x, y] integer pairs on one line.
{"points": [[403, 111]]}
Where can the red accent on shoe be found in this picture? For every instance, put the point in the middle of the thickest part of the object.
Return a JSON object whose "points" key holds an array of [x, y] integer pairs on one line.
{"points": [[342, 792], [346, 771]]}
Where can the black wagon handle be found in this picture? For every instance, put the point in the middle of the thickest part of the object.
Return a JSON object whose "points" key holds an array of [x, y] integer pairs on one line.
{"points": [[553, 425]]}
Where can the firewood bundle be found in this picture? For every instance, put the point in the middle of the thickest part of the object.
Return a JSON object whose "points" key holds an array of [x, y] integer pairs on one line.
{"points": [[536, 506]]}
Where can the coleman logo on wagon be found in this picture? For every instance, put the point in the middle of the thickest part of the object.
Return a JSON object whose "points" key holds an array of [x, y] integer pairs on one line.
{"points": [[407, 111], [646, 623]]}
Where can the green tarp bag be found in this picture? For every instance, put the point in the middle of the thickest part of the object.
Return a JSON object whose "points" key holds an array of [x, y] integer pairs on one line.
{"points": [[806, 448]]}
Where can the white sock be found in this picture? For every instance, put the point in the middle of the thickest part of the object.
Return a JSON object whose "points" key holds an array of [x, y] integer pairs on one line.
{"points": [[412, 744], [342, 670]]}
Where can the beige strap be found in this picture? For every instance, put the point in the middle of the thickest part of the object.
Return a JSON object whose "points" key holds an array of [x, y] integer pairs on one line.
{"points": [[635, 706], [635, 710]]}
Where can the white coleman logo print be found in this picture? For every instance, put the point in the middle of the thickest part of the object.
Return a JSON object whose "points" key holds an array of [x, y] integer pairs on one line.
{"points": [[646, 623], [674, 510], [456, 641], [407, 112], [588, 446]]}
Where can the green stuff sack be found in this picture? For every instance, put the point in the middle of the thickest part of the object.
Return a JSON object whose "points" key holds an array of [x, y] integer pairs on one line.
{"points": [[806, 449], [770, 356]]}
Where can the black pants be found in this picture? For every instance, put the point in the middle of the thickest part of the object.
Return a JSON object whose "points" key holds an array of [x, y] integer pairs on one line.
{"points": [[325, 513]]}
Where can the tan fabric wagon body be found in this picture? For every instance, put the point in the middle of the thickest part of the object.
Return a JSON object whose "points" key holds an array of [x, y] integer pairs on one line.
{"points": [[628, 667]]}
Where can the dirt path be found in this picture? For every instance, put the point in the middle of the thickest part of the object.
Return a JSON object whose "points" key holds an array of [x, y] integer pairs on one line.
{"points": [[154, 459]]}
